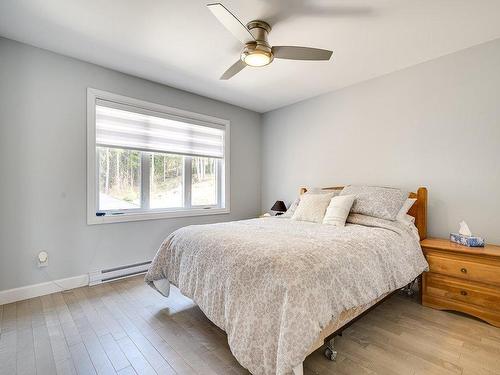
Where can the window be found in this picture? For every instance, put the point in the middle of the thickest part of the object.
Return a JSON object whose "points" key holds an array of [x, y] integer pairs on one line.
{"points": [[148, 161]]}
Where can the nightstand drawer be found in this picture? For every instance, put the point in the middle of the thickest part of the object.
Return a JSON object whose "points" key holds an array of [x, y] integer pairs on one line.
{"points": [[463, 291], [465, 269], [463, 279]]}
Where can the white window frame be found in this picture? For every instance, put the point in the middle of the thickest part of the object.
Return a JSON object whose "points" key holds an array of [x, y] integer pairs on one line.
{"points": [[223, 176]]}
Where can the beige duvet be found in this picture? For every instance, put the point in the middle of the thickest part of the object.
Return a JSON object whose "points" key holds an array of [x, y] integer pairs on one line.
{"points": [[273, 284]]}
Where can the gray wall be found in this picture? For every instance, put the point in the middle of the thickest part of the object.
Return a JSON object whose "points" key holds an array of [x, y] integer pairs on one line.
{"points": [[43, 167], [436, 124]]}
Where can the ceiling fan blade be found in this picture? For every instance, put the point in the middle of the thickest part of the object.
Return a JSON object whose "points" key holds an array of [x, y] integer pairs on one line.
{"points": [[231, 23], [233, 69], [301, 53]]}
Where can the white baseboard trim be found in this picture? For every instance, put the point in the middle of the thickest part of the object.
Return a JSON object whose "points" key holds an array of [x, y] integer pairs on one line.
{"points": [[37, 290]]}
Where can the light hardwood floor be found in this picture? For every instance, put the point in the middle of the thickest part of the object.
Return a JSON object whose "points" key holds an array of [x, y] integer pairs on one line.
{"points": [[125, 327]]}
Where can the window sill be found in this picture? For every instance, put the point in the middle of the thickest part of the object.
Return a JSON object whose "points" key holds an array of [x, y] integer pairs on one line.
{"points": [[140, 216]]}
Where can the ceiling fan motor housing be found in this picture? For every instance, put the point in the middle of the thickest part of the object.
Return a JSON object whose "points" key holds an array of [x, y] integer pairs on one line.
{"points": [[260, 31]]}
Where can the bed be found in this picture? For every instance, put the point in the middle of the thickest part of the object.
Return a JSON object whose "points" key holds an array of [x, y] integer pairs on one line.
{"points": [[281, 288]]}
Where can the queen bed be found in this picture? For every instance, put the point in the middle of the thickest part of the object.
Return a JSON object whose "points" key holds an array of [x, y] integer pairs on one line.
{"points": [[281, 288]]}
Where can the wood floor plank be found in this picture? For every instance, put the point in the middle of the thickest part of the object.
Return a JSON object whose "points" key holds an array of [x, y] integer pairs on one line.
{"points": [[37, 317], [97, 355], [60, 351], [23, 316], [135, 318], [49, 311], [25, 352], [71, 334], [44, 357], [167, 324], [476, 367], [316, 364], [139, 363], [125, 327], [99, 326], [127, 371], [418, 351], [157, 361], [81, 360], [115, 354], [61, 308], [9, 317], [8, 349], [113, 326], [131, 321]]}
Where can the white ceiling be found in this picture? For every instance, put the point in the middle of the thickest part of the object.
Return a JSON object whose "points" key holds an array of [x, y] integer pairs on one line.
{"points": [[181, 44]]}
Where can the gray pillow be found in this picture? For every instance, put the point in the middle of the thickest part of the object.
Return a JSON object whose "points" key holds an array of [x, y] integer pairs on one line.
{"points": [[375, 201]]}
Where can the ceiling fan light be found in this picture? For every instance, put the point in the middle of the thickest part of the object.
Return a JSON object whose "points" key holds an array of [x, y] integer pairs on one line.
{"points": [[257, 58]]}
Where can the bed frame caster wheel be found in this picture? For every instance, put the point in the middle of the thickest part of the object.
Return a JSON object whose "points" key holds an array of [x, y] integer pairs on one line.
{"points": [[330, 354]]}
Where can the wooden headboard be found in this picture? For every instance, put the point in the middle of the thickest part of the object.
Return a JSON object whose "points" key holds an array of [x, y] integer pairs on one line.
{"points": [[418, 210]]}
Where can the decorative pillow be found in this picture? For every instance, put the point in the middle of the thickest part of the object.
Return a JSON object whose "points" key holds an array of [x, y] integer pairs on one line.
{"points": [[338, 210], [402, 214], [312, 207], [291, 210], [380, 202]]}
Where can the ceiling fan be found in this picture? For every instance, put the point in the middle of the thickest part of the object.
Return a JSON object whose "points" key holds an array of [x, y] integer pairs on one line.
{"points": [[257, 51]]}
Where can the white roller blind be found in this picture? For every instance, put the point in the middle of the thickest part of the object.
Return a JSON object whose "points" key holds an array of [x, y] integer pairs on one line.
{"points": [[135, 128]]}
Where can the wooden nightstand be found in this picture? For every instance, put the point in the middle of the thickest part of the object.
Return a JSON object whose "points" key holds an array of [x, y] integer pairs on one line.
{"points": [[462, 278]]}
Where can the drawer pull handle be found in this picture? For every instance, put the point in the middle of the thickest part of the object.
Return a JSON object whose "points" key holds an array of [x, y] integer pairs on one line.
{"points": [[463, 270], [463, 292]]}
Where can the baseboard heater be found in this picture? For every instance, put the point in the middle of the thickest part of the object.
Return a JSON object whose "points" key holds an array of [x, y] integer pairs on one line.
{"points": [[110, 274]]}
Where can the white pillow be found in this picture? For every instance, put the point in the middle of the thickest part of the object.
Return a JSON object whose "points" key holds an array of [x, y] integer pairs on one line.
{"points": [[401, 216], [291, 210], [312, 207], [338, 210]]}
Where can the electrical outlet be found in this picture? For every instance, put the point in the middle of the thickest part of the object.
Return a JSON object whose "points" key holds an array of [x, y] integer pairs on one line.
{"points": [[43, 259]]}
